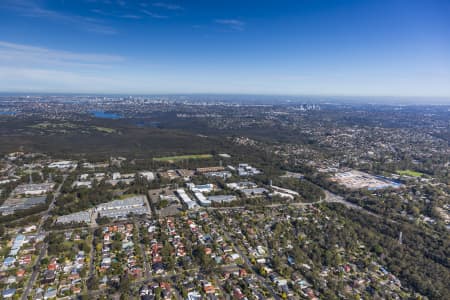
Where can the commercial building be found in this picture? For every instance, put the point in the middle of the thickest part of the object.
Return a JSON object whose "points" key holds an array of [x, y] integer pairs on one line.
{"points": [[64, 164], [191, 204], [114, 182], [256, 192], [221, 198], [88, 165], [202, 199], [209, 169], [149, 176], [220, 174], [201, 188], [169, 174], [185, 173], [33, 189], [247, 170], [121, 208], [241, 185], [85, 183], [285, 193], [13, 204], [360, 180], [78, 217]]}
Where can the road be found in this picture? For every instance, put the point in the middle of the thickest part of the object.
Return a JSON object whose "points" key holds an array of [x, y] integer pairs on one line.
{"points": [[329, 198], [92, 255], [148, 275], [250, 266], [44, 245]]}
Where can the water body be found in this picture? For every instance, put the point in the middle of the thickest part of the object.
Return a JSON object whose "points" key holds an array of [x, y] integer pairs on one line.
{"points": [[105, 115], [150, 124], [7, 113]]}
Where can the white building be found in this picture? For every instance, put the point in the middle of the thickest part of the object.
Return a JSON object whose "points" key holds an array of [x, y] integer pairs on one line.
{"points": [[121, 208], [64, 164], [241, 185], [150, 176], [186, 199], [285, 193], [247, 170], [78, 217], [255, 192], [202, 188], [202, 199], [221, 198], [78, 184], [33, 189]]}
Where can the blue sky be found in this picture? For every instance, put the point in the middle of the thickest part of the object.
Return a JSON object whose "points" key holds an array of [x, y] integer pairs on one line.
{"points": [[304, 47]]}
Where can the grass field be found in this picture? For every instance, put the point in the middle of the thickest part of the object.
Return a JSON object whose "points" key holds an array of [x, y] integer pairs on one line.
{"points": [[49, 125], [182, 157], [63, 126], [104, 129], [410, 173]]}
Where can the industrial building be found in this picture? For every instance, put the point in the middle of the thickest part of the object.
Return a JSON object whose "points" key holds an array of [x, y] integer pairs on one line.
{"points": [[201, 188], [149, 176], [360, 180], [209, 169], [78, 217], [255, 192], [222, 198], [114, 182], [84, 183], [285, 193], [220, 174], [33, 189], [247, 170], [191, 204], [202, 199], [122, 208], [64, 164], [13, 204], [241, 185]]}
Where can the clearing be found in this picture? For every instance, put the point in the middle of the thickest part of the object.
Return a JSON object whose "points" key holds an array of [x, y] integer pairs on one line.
{"points": [[182, 157]]}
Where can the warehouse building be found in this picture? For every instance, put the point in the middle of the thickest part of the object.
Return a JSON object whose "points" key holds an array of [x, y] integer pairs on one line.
{"points": [[191, 204], [33, 189], [122, 208], [222, 198], [78, 217]]}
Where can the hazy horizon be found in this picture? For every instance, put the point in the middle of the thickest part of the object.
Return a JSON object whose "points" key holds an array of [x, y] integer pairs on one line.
{"points": [[254, 98]]}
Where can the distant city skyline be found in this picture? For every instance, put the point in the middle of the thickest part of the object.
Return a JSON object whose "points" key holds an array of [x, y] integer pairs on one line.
{"points": [[398, 48]]}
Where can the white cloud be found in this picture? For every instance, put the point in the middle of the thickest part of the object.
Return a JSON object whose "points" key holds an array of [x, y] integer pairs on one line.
{"points": [[153, 15], [42, 80], [12, 54], [231, 23], [31, 9], [169, 6], [131, 16]]}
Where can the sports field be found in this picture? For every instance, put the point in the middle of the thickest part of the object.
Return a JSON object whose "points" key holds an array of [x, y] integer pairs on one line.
{"points": [[182, 157], [410, 173]]}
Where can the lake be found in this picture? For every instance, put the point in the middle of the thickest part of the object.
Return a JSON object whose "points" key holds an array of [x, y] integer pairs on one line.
{"points": [[105, 115]]}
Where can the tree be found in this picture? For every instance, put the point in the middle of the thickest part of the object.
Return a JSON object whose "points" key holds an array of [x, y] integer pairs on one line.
{"points": [[124, 286]]}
